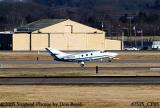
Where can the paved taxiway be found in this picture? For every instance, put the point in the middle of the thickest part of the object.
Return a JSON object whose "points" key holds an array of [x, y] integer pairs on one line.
{"points": [[78, 80], [75, 69], [56, 62]]}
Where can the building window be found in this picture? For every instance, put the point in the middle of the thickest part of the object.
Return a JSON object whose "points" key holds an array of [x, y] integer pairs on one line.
{"points": [[68, 28]]}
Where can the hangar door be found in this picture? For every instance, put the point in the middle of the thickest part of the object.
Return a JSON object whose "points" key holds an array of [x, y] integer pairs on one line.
{"points": [[76, 42], [5, 41]]}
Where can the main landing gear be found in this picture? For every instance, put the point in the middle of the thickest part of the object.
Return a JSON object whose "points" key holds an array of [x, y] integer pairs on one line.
{"points": [[82, 64], [109, 60]]}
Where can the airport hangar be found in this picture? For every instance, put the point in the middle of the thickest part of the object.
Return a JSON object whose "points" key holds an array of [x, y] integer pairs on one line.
{"points": [[61, 34]]}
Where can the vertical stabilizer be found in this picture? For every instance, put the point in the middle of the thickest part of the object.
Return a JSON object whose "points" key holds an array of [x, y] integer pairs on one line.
{"points": [[56, 53]]}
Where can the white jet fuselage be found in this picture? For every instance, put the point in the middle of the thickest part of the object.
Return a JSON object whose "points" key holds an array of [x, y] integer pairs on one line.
{"points": [[89, 56], [82, 57]]}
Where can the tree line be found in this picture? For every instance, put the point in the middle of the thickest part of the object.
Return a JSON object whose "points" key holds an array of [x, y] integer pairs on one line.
{"points": [[109, 15]]}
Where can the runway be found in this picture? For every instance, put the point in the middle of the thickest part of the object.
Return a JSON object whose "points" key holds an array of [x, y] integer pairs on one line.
{"points": [[56, 62], [79, 80], [69, 68], [76, 80], [74, 69]]}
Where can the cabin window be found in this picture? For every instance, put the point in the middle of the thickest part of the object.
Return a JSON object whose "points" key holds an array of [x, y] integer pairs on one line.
{"points": [[82, 55], [91, 54], [86, 54]]}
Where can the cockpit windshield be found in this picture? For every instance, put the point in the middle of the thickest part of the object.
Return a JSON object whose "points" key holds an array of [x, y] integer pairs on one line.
{"points": [[104, 51], [101, 51]]}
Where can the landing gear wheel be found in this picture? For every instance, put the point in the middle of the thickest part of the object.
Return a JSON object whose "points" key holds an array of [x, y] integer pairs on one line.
{"points": [[82, 64], [109, 60]]}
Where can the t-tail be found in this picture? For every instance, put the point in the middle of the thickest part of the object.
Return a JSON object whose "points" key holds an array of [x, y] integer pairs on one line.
{"points": [[58, 55]]}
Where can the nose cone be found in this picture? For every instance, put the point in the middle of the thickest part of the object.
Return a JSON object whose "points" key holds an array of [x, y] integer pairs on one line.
{"points": [[111, 54], [114, 54]]}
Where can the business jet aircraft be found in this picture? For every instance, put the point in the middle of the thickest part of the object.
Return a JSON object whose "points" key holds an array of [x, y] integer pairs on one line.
{"points": [[80, 58]]}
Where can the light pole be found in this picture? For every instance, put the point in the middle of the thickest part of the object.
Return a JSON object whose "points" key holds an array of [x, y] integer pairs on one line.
{"points": [[102, 26], [141, 32], [122, 41], [135, 42], [141, 38], [130, 25]]}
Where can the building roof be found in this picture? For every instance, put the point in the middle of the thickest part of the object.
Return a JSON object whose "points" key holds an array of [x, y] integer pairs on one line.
{"points": [[38, 25]]}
